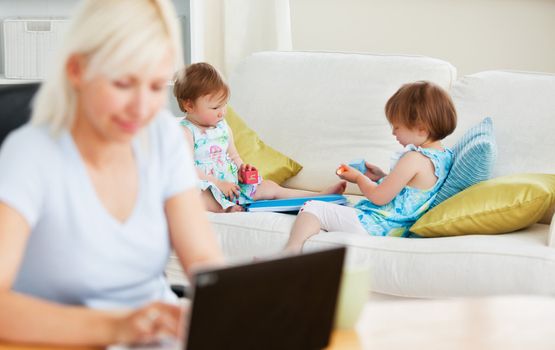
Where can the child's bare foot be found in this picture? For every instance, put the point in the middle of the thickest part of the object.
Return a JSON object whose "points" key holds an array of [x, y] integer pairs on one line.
{"points": [[338, 188], [234, 209]]}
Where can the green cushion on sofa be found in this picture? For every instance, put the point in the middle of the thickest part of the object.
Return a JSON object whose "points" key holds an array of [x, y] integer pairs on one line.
{"points": [[271, 164], [499, 205]]}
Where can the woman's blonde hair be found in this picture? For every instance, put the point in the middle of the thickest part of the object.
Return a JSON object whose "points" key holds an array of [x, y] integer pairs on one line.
{"points": [[423, 104], [117, 37]]}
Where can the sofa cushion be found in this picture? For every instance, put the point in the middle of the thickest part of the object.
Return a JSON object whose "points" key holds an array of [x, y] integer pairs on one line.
{"points": [[439, 267], [324, 109], [523, 110], [271, 164], [473, 160], [500, 205], [471, 265], [548, 216]]}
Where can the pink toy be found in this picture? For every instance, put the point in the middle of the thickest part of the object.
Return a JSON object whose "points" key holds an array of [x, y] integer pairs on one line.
{"points": [[250, 176]]}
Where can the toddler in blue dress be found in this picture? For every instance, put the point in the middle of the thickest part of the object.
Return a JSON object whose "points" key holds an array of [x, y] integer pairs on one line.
{"points": [[421, 114], [202, 95]]}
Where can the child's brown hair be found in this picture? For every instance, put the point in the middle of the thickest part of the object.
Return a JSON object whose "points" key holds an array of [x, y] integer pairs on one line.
{"points": [[197, 80], [423, 104]]}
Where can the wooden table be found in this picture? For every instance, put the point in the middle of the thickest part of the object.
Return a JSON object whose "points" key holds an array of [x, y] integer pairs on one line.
{"points": [[504, 323]]}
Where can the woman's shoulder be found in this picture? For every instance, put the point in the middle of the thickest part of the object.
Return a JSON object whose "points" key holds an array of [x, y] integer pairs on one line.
{"points": [[31, 152], [165, 125], [30, 140], [165, 119], [164, 133], [31, 131]]}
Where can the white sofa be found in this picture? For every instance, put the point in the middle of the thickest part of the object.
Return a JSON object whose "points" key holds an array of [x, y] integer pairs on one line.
{"points": [[322, 109]]}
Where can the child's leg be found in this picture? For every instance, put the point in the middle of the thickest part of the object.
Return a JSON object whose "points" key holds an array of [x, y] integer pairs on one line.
{"points": [[212, 204], [305, 226], [270, 190], [316, 215]]}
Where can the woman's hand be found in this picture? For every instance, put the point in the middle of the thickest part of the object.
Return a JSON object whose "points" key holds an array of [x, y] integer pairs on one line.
{"points": [[374, 173], [229, 189], [348, 173], [149, 324]]}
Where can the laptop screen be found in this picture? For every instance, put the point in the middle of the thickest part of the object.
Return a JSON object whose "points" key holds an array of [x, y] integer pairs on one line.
{"points": [[285, 303]]}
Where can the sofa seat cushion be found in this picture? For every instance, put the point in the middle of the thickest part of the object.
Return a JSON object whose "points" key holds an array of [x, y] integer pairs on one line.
{"points": [[517, 263], [417, 267], [246, 235]]}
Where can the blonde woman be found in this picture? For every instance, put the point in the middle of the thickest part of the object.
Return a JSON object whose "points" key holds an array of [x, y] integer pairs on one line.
{"points": [[99, 187]]}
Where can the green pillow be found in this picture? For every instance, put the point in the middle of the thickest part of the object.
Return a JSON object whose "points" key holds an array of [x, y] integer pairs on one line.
{"points": [[499, 205], [271, 164]]}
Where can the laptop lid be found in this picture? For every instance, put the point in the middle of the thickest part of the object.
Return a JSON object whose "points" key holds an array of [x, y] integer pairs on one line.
{"points": [[285, 303]]}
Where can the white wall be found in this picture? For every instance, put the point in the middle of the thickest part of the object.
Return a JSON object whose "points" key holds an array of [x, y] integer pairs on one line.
{"points": [[64, 8], [473, 35], [208, 31]]}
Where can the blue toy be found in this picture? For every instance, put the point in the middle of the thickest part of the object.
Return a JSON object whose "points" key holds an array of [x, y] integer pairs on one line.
{"points": [[359, 164]]}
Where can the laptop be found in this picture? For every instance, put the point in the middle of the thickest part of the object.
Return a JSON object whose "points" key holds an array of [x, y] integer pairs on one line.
{"points": [[284, 303]]}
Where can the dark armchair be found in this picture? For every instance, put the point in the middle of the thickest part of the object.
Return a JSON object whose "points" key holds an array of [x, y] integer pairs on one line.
{"points": [[15, 106]]}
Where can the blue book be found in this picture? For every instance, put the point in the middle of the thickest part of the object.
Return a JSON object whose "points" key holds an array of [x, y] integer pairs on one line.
{"points": [[293, 204]]}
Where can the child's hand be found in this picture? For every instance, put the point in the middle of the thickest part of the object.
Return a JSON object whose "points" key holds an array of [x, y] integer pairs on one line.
{"points": [[244, 167], [348, 173], [229, 189], [374, 173]]}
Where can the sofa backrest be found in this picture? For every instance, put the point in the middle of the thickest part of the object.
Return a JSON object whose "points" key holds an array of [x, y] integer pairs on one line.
{"points": [[323, 109], [522, 106]]}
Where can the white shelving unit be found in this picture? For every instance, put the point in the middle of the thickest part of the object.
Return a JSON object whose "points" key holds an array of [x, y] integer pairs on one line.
{"points": [[64, 8]]}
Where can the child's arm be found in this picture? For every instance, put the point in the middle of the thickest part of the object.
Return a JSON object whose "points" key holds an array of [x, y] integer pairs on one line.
{"points": [[234, 155], [405, 170], [373, 172], [232, 150]]}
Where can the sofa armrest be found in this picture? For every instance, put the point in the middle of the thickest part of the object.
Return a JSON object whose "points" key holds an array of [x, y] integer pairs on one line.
{"points": [[551, 234]]}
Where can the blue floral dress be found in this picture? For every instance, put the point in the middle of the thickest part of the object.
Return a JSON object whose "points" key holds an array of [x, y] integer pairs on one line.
{"points": [[396, 217], [211, 157]]}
